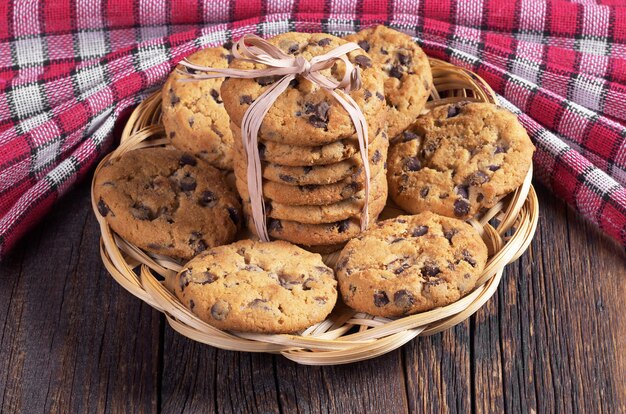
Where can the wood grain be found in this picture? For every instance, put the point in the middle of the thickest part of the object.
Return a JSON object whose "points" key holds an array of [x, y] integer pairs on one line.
{"points": [[551, 339]]}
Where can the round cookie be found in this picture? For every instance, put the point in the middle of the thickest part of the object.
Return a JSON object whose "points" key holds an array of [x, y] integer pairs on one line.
{"points": [[326, 174], [301, 156], [194, 117], [410, 264], [307, 114], [458, 159], [260, 287], [167, 202], [405, 69]]}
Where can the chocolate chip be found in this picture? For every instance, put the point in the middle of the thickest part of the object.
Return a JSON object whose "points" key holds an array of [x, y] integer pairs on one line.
{"points": [[187, 159], [217, 131], [363, 61], [192, 304], [429, 149], [220, 310], [324, 42], [462, 190], [398, 265], [184, 279], [293, 48], [261, 147], [200, 246], [380, 96], [253, 268], [207, 278], [444, 195], [397, 240], [380, 299], [461, 208], [234, 215], [396, 72], [480, 197], [307, 169], [294, 83], [430, 269], [501, 148], [207, 199], [188, 183], [478, 178], [141, 212], [320, 300], [424, 191], [245, 99], [409, 136], [403, 299], [174, 99], [412, 164], [341, 264], [259, 304], [377, 157], [323, 269], [308, 284], [216, 96], [191, 121], [364, 44], [453, 111], [383, 51], [274, 225], [493, 167], [228, 45], [266, 80], [448, 234], [103, 208], [419, 231], [319, 117], [287, 281], [466, 256], [367, 94], [343, 226], [229, 58], [404, 59], [349, 189], [172, 134], [286, 178]]}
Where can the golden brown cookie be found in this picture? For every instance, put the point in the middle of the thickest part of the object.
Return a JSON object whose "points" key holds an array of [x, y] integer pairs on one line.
{"points": [[458, 159], [193, 112], [405, 69], [410, 264], [252, 286], [167, 202], [307, 114]]}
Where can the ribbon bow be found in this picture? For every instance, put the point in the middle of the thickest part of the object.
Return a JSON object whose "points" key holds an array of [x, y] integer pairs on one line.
{"points": [[252, 48]]}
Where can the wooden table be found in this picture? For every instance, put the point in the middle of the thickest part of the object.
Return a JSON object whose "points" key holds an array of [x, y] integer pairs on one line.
{"points": [[73, 341]]}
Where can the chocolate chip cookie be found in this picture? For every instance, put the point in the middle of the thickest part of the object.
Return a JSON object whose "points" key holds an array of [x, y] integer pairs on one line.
{"points": [[307, 114], [410, 264], [193, 112], [167, 201], [305, 156], [251, 286], [458, 159], [405, 69]]}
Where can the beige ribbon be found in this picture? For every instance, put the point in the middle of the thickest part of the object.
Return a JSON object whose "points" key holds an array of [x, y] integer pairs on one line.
{"points": [[252, 48]]}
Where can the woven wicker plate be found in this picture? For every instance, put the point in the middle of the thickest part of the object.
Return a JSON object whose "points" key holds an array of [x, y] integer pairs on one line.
{"points": [[346, 336]]}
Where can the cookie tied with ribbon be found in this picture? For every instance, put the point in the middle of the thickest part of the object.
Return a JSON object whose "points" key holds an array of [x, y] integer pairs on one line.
{"points": [[328, 69]]}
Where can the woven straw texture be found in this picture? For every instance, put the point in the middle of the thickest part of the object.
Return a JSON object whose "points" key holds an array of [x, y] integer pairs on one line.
{"points": [[346, 336]]}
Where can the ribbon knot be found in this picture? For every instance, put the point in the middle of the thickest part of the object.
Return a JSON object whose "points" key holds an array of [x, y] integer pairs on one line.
{"points": [[252, 48]]}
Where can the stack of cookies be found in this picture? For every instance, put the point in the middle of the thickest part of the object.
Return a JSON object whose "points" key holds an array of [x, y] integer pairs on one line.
{"points": [[313, 175]]}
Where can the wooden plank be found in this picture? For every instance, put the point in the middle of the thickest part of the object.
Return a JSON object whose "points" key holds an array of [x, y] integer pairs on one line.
{"points": [[72, 339], [558, 342], [438, 372], [199, 378], [373, 386]]}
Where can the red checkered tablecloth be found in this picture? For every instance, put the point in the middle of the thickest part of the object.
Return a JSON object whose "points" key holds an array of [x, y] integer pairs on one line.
{"points": [[68, 69]]}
